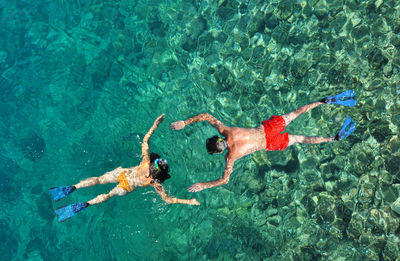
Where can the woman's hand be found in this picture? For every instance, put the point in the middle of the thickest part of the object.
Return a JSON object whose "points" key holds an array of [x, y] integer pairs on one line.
{"points": [[160, 118], [177, 125], [193, 201]]}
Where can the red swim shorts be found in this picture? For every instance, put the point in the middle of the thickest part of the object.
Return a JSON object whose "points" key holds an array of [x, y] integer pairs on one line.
{"points": [[273, 128]]}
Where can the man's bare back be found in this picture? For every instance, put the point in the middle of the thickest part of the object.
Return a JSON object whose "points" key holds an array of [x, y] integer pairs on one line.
{"points": [[244, 141]]}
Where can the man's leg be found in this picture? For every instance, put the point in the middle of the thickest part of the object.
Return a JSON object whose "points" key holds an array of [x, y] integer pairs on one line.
{"points": [[303, 109], [293, 139], [109, 177]]}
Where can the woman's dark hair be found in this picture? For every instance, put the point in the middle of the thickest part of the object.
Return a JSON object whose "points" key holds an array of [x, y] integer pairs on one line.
{"points": [[214, 145], [159, 174]]}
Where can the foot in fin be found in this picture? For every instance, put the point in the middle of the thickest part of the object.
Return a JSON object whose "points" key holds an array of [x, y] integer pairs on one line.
{"points": [[347, 129], [60, 192], [66, 212], [345, 98]]}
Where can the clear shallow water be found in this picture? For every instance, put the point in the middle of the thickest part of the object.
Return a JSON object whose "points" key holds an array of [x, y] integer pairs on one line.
{"points": [[80, 80]]}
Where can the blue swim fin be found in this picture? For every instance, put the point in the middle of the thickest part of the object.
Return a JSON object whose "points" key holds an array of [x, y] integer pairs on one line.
{"points": [[60, 192], [345, 98], [66, 212], [347, 129], [350, 102]]}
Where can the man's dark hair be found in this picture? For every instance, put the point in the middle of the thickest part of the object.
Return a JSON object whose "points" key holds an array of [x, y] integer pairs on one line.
{"points": [[159, 174], [214, 145]]}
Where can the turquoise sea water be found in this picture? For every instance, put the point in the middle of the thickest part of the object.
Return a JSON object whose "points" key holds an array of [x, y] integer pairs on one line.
{"points": [[81, 82]]}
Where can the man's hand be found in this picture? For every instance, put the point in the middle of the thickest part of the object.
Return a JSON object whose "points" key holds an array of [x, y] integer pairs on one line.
{"points": [[160, 118], [197, 187], [177, 125], [194, 201]]}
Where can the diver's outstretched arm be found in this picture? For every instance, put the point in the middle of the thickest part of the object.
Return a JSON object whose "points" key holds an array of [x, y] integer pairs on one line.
{"points": [[222, 181], [145, 144], [201, 117], [170, 200]]}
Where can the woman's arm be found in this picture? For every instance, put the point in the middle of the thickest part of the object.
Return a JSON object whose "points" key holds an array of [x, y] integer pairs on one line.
{"points": [[201, 117], [170, 200], [145, 144], [222, 181]]}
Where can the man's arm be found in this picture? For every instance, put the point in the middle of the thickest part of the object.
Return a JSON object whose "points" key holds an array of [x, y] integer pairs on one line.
{"points": [[222, 181], [145, 144], [170, 200], [201, 117]]}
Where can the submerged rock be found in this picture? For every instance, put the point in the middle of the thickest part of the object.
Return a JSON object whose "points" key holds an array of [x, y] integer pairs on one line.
{"points": [[227, 10], [392, 248], [360, 32], [377, 59], [366, 191], [196, 27], [393, 165], [285, 9], [356, 225], [381, 222], [395, 206], [33, 146], [321, 9], [335, 6]]}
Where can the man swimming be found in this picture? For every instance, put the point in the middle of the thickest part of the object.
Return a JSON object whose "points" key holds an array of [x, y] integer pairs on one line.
{"points": [[243, 141], [152, 171]]}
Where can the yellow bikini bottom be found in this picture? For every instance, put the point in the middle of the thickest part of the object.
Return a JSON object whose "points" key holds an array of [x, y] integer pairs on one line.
{"points": [[123, 182]]}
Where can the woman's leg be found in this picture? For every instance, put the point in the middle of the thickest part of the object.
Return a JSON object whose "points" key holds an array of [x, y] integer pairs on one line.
{"points": [[109, 177], [103, 197], [303, 109], [66, 212], [293, 139]]}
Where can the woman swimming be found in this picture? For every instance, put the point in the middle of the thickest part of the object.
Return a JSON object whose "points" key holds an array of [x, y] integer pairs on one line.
{"points": [[152, 171]]}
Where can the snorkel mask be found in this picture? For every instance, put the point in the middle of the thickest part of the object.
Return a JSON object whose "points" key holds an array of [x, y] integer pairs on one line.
{"points": [[159, 160]]}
